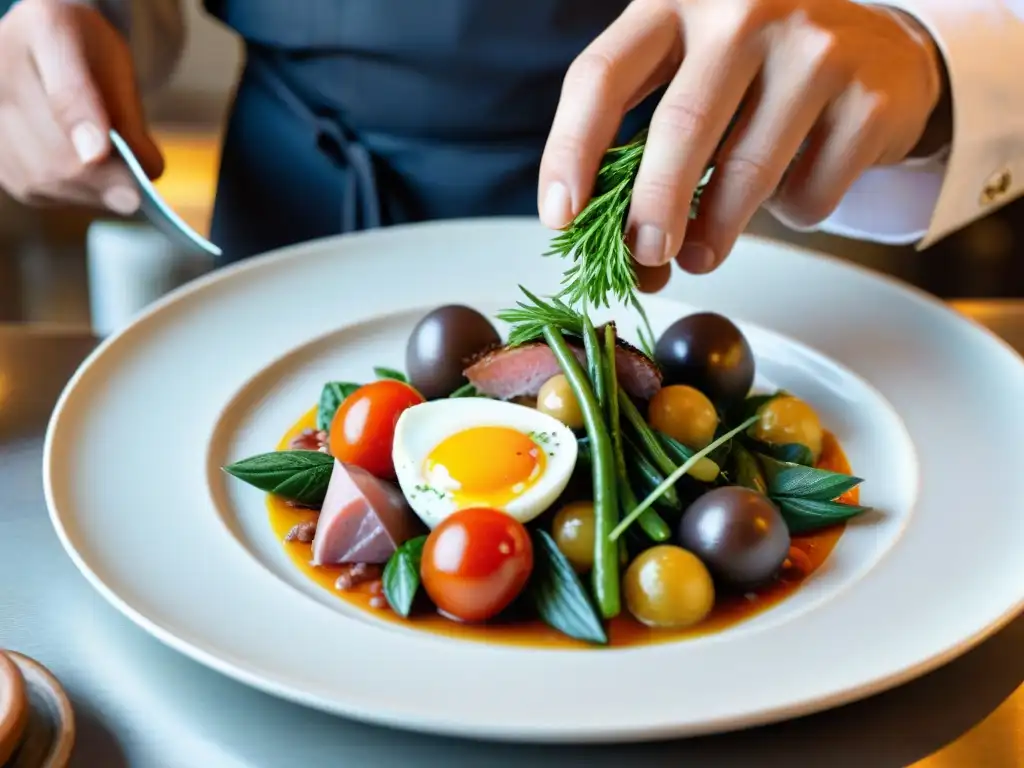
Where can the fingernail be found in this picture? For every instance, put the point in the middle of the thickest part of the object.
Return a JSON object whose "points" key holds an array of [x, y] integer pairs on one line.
{"points": [[123, 200], [649, 246], [88, 142], [696, 258], [557, 210]]}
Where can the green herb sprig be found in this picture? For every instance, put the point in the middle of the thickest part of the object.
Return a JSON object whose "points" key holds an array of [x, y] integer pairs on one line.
{"points": [[595, 240], [529, 318], [602, 264]]}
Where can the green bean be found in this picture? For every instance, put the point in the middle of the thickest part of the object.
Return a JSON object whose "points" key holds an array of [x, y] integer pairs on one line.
{"points": [[748, 471], [649, 443], [654, 495], [648, 476], [593, 349], [605, 573], [705, 469], [650, 520]]}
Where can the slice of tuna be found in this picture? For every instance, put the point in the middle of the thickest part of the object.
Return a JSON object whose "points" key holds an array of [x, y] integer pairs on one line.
{"points": [[363, 519], [520, 371]]}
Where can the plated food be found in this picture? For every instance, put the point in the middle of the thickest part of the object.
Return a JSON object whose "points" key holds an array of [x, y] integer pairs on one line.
{"points": [[184, 550], [561, 489]]}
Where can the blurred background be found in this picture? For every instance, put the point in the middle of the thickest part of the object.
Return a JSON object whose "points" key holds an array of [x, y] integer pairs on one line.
{"points": [[83, 269]]}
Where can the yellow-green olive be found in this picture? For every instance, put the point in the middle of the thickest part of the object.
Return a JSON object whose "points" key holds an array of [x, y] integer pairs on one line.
{"points": [[667, 586], [788, 419], [685, 414], [573, 532], [556, 399]]}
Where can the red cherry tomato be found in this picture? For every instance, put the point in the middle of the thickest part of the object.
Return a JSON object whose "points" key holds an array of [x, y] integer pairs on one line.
{"points": [[475, 562], [363, 428]]}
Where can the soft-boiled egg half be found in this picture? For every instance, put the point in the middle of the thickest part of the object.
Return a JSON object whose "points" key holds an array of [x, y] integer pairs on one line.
{"points": [[473, 452]]}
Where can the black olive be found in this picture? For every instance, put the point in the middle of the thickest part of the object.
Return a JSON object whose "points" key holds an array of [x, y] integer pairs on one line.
{"points": [[440, 345], [708, 352], [738, 533]]}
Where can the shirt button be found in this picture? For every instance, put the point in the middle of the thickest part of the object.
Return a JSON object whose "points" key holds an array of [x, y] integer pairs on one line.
{"points": [[997, 186]]}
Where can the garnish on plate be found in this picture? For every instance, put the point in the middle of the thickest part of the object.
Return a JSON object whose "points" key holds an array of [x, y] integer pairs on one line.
{"points": [[566, 478], [402, 575], [298, 476]]}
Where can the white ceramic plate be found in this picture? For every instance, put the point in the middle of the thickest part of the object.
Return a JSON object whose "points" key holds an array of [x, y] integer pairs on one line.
{"points": [[927, 405]]}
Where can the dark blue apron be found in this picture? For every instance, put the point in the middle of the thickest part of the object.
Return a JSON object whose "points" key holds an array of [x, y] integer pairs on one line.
{"points": [[354, 114]]}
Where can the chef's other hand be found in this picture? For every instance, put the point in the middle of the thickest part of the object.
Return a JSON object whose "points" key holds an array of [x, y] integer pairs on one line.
{"points": [[821, 89], [66, 77]]}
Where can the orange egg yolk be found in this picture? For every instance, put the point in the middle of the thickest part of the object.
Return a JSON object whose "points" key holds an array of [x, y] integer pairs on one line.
{"points": [[487, 466]]}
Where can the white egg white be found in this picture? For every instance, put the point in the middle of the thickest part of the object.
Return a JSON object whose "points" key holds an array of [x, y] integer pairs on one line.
{"points": [[422, 428]]}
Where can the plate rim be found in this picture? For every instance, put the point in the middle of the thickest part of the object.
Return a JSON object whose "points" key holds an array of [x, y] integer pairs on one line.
{"points": [[197, 650]]}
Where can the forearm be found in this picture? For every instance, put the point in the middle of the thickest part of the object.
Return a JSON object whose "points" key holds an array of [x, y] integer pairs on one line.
{"points": [[980, 121], [155, 30]]}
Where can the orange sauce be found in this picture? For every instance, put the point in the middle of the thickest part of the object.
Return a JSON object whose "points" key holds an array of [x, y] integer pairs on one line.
{"points": [[807, 553]]}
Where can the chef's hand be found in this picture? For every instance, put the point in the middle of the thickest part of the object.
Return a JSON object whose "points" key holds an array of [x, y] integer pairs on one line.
{"points": [[857, 83], [66, 77]]}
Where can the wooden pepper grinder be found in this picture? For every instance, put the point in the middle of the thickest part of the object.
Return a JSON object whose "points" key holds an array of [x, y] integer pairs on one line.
{"points": [[37, 725]]}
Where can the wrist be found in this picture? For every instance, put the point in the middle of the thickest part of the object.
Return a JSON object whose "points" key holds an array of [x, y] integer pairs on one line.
{"points": [[938, 131]]}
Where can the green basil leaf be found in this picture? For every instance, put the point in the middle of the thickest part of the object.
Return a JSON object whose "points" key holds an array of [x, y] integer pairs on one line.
{"points": [[390, 373], [331, 397], [401, 576], [299, 476], [798, 481], [558, 596], [790, 453], [803, 515], [747, 472]]}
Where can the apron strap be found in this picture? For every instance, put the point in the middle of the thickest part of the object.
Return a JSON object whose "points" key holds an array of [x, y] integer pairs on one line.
{"points": [[360, 208]]}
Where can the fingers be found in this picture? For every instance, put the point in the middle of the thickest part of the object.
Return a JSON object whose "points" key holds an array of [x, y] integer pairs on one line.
{"points": [[652, 279], [54, 49], [62, 66], [850, 138], [112, 183], [685, 129], [114, 77], [599, 88], [15, 168], [793, 90]]}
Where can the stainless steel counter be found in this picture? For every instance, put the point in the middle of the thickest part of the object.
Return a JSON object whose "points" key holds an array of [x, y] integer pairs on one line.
{"points": [[139, 703]]}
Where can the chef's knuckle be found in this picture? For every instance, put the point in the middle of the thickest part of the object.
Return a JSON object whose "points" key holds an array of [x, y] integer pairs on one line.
{"points": [[66, 102], [733, 22], [819, 49], [681, 116], [753, 176], [654, 197], [808, 208], [564, 149], [592, 72], [18, 188]]}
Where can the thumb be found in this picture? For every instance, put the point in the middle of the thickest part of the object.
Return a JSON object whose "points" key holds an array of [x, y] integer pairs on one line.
{"points": [[56, 51]]}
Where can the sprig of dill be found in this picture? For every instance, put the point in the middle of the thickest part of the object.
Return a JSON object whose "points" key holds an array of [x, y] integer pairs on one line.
{"points": [[595, 240], [602, 265], [529, 318]]}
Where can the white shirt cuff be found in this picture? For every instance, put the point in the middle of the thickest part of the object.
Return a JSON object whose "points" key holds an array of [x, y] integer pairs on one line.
{"points": [[982, 42]]}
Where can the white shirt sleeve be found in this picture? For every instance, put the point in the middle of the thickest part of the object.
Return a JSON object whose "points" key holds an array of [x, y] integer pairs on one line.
{"points": [[921, 201], [155, 30]]}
